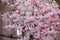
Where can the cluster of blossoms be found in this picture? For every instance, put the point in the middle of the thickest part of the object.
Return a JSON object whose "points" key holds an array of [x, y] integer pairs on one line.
{"points": [[34, 19]]}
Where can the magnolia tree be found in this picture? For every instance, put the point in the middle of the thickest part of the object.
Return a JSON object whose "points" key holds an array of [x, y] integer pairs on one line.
{"points": [[33, 19]]}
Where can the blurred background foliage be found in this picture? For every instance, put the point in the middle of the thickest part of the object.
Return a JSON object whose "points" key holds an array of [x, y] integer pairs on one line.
{"points": [[2, 6], [58, 1]]}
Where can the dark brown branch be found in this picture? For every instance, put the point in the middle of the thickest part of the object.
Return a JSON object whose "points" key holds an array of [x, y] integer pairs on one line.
{"points": [[10, 36]]}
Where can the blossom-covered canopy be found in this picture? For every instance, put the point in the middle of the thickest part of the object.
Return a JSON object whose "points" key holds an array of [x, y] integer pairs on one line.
{"points": [[35, 19]]}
